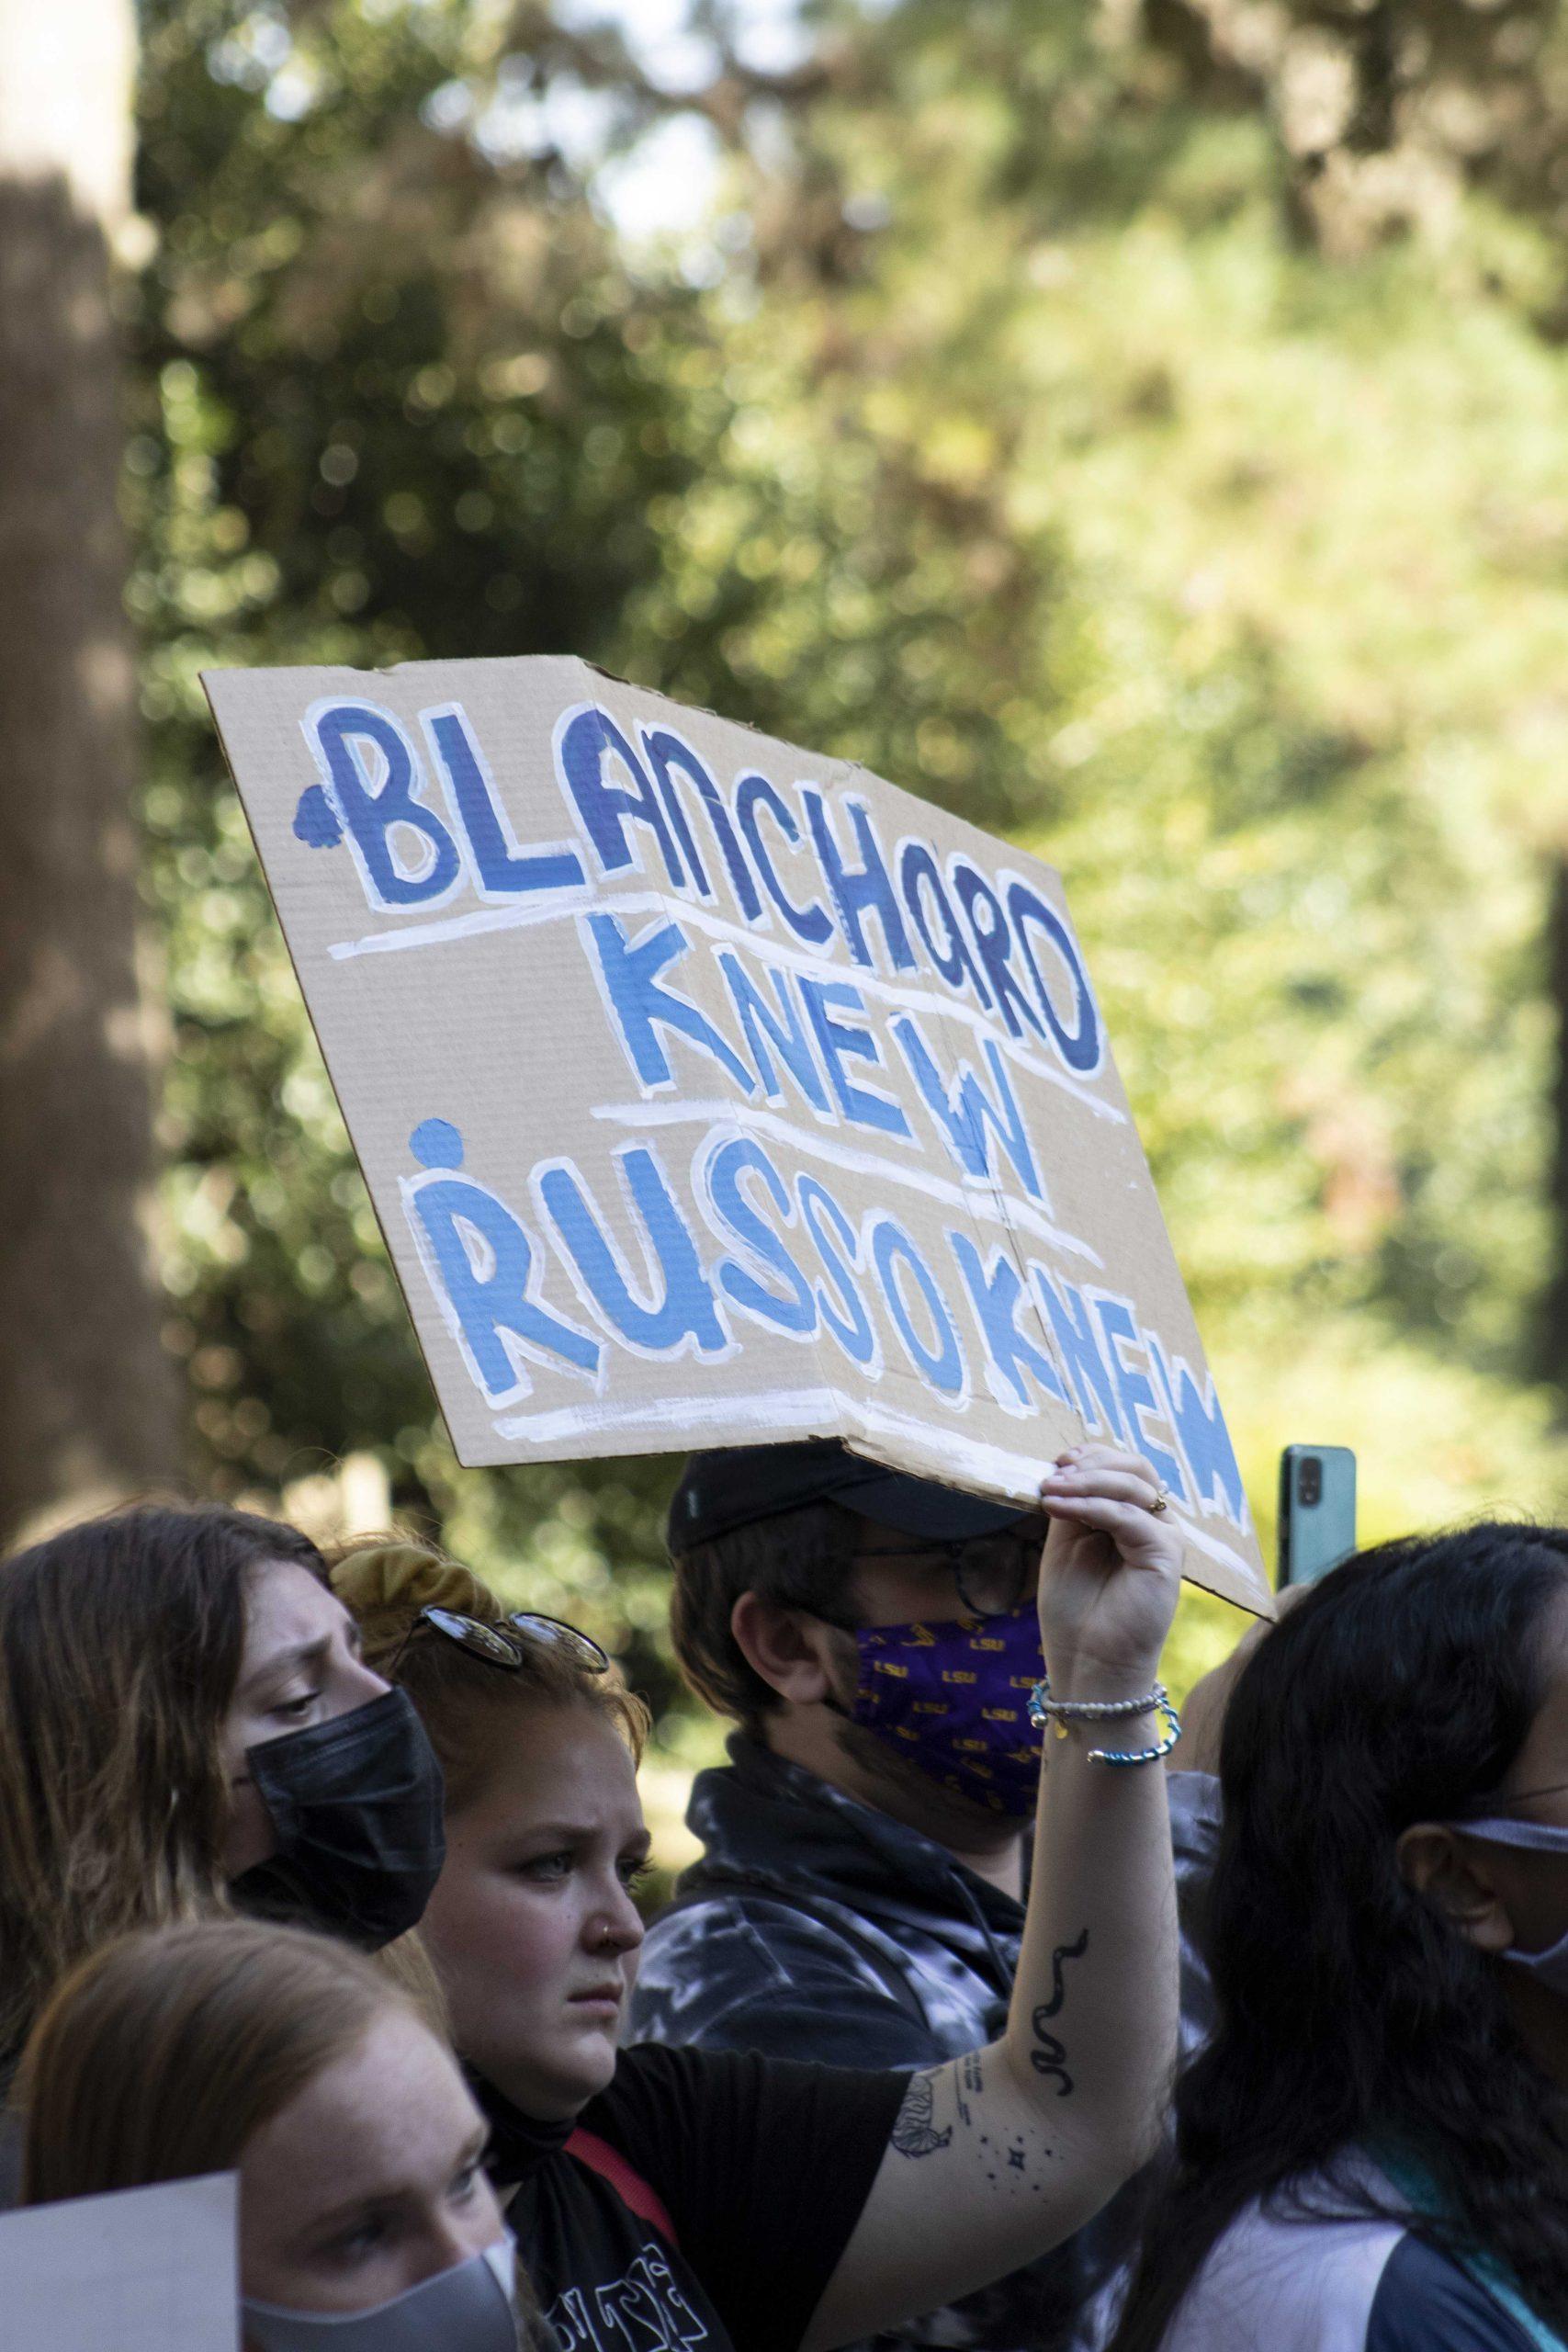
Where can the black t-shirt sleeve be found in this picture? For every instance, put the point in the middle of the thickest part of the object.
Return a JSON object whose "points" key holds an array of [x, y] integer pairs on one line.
{"points": [[764, 2165], [1426, 2304]]}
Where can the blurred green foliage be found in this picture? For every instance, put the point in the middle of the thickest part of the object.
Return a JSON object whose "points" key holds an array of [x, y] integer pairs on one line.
{"points": [[1024, 421]]}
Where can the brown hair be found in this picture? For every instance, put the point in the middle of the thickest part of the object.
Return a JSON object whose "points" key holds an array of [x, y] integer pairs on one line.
{"points": [[801, 1559], [159, 2057], [465, 1706], [121, 1642]]}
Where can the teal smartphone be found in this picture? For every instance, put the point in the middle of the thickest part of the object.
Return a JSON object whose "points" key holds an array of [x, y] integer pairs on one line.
{"points": [[1318, 1510]]}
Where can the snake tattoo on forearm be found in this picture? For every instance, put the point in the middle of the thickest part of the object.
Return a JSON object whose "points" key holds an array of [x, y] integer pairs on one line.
{"points": [[1050, 2057], [914, 2130]]}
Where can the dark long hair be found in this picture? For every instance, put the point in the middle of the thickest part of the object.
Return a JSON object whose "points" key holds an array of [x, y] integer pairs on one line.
{"points": [[120, 1642], [1350, 2013]]}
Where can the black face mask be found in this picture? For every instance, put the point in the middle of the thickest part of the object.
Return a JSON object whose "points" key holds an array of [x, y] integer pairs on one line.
{"points": [[356, 1805]]}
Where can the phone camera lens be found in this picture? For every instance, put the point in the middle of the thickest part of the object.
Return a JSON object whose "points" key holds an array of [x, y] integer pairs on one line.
{"points": [[1309, 1481]]}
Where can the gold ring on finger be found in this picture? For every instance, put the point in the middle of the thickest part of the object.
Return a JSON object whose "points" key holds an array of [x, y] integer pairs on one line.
{"points": [[1161, 1502]]}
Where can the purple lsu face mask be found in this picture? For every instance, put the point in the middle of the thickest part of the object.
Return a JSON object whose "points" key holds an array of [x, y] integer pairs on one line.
{"points": [[955, 1699], [1551, 1964]]}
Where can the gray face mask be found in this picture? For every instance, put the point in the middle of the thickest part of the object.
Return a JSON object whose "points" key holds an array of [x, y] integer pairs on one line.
{"points": [[466, 2309], [1549, 1965]]}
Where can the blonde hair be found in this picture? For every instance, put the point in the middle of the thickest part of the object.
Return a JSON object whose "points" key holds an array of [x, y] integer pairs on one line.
{"points": [[159, 2057], [467, 1707], [121, 1642]]}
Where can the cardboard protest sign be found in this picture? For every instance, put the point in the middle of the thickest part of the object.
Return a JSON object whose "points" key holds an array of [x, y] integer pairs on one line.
{"points": [[709, 1092], [144, 2269]]}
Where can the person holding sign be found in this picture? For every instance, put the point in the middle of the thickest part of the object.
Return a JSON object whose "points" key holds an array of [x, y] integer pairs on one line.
{"points": [[858, 1899], [727, 2198], [366, 2223], [1372, 2154], [186, 1721]]}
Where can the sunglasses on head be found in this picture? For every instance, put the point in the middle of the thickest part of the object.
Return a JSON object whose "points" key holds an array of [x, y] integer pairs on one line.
{"points": [[505, 1645]]}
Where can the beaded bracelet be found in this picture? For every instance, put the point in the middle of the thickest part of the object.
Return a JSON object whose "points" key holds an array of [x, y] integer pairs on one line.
{"points": [[1044, 1709]]}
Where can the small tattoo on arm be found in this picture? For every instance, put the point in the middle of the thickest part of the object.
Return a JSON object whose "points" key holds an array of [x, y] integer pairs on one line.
{"points": [[1050, 2058], [971, 2081], [913, 2134]]}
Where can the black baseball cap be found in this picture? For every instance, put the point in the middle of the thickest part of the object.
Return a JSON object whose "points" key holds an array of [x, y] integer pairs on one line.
{"points": [[738, 1484]]}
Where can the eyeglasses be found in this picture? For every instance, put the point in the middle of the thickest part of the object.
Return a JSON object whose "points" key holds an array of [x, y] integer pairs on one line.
{"points": [[506, 1646], [994, 1574]]}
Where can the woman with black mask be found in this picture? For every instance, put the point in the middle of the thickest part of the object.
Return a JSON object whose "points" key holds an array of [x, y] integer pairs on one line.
{"points": [[1373, 2152], [186, 1725]]}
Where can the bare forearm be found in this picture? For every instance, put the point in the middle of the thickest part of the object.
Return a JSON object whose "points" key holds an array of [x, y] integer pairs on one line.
{"points": [[1026, 2140], [1091, 2034], [998, 2155]]}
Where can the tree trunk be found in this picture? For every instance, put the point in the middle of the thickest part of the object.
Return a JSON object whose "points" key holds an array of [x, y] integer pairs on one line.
{"points": [[88, 1402]]}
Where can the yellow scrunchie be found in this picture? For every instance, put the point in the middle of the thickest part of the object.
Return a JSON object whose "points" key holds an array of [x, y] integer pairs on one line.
{"points": [[385, 1586]]}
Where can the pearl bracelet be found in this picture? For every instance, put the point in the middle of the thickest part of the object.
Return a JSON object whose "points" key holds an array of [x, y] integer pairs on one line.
{"points": [[1044, 1709]]}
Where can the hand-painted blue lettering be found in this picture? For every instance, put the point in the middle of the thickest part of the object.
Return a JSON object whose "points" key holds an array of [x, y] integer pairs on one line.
{"points": [[684, 1315], [436, 1143], [668, 756], [920, 879], [791, 1308], [835, 1238], [666, 753], [859, 891], [728, 840], [1079, 1342], [378, 817], [994, 1293], [1137, 1397], [838, 1041], [585, 746], [964, 1111], [490, 1290], [1205, 1440], [503, 870], [642, 1008], [316, 821], [993, 941], [1079, 1044], [811, 922], [938, 1358], [778, 1025]]}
